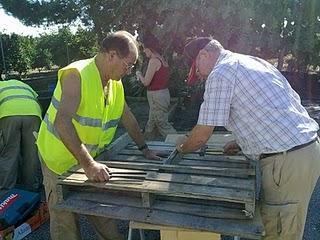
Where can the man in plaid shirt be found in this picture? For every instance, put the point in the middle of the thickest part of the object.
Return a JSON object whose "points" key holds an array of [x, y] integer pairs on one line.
{"points": [[251, 98]]}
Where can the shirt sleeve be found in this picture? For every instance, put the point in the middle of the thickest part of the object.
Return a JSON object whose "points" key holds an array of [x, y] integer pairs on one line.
{"points": [[215, 109]]}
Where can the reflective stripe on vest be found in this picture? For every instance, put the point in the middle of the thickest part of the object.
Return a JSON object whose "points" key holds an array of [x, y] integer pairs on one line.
{"points": [[16, 87], [15, 97], [51, 129], [89, 122]]}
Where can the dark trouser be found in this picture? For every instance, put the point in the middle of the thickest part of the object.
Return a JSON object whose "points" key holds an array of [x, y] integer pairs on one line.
{"points": [[19, 162]]}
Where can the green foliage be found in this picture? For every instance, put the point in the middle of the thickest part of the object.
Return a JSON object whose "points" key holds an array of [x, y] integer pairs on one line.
{"points": [[43, 12], [42, 58], [20, 53], [269, 29]]}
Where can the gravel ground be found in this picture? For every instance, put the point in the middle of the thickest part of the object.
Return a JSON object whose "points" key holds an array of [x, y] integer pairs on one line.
{"points": [[312, 229]]}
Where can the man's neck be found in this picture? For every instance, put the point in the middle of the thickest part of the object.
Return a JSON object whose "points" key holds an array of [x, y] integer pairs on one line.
{"points": [[102, 68]]}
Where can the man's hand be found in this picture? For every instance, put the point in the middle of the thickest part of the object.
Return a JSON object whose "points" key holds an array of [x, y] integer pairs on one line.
{"points": [[231, 148], [97, 172], [149, 154]]}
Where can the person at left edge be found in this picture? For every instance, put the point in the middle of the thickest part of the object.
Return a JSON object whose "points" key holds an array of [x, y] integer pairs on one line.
{"points": [[81, 121], [20, 116]]}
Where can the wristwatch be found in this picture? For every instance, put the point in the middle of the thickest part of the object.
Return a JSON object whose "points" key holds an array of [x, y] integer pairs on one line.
{"points": [[144, 146]]}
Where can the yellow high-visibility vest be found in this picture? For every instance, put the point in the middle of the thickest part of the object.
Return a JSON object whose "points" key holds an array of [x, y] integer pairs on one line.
{"points": [[95, 122], [18, 99]]}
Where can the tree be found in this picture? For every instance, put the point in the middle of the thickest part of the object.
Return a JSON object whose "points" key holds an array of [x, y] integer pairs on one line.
{"points": [[42, 58], [271, 29], [4, 64], [20, 53]]}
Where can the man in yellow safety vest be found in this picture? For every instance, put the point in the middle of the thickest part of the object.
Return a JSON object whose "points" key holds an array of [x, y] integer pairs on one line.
{"points": [[20, 116], [81, 121]]}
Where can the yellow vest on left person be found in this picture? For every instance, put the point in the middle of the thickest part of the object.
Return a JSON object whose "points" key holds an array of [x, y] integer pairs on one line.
{"points": [[18, 98], [95, 121]]}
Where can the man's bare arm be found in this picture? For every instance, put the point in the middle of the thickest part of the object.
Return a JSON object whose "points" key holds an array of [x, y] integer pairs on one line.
{"points": [[198, 137], [130, 123], [70, 100]]}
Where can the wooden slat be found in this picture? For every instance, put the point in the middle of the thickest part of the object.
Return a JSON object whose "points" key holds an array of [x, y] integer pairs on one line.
{"points": [[191, 156], [227, 158], [198, 192], [114, 147], [185, 162], [236, 183], [129, 158], [252, 229], [147, 199], [78, 169], [153, 143], [122, 183], [203, 208], [164, 188], [228, 172]]}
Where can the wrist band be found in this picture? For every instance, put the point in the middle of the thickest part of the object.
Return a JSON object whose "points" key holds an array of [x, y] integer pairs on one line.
{"points": [[144, 146]]}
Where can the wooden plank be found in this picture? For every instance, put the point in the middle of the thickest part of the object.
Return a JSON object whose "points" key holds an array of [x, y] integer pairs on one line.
{"points": [[136, 152], [153, 143], [114, 147], [252, 229], [223, 204], [199, 210], [76, 179], [191, 156], [249, 209], [147, 199], [164, 188], [217, 138], [202, 208], [198, 192], [227, 158], [130, 158], [212, 171], [246, 184], [165, 147], [185, 162], [79, 169]]}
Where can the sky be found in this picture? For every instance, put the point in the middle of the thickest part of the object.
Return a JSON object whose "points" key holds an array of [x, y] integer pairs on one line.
{"points": [[9, 24]]}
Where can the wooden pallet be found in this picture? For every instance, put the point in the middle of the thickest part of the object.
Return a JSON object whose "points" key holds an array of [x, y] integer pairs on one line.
{"points": [[211, 189]]}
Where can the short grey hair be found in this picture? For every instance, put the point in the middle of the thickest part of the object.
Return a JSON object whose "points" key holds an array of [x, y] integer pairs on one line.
{"points": [[214, 46]]}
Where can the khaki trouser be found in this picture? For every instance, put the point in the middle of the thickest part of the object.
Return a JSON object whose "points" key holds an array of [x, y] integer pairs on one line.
{"points": [[288, 181], [19, 162], [65, 225], [159, 103]]}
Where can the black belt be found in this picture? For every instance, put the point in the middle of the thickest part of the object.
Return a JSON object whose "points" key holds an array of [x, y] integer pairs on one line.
{"points": [[265, 155]]}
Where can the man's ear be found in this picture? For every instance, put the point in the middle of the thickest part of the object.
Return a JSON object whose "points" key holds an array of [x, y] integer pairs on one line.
{"points": [[112, 54], [204, 53]]}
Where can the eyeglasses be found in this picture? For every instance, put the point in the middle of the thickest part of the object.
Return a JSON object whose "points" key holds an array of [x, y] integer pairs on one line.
{"points": [[129, 66]]}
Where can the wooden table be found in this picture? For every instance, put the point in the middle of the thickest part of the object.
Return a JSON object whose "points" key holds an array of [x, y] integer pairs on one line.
{"points": [[203, 191]]}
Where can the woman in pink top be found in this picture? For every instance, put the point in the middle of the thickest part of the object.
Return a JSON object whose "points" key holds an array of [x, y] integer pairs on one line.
{"points": [[156, 80]]}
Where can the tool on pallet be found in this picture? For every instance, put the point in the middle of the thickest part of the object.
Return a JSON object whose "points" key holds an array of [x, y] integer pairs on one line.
{"points": [[174, 157]]}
